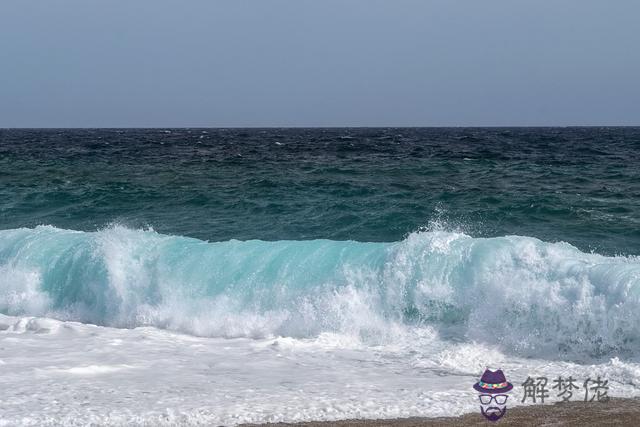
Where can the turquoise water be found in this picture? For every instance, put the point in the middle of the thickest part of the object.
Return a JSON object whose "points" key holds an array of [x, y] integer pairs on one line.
{"points": [[513, 292], [526, 239]]}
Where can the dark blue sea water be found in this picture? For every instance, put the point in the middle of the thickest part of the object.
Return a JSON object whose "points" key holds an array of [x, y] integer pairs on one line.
{"points": [[578, 185], [524, 239]]}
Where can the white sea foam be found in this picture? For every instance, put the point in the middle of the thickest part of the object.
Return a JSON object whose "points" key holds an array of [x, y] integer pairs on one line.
{"points": [[126, 326], [526, 296], [81, 374]]}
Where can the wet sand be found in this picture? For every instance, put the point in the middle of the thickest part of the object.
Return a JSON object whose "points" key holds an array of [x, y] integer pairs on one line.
{"points": [[616, 412]]}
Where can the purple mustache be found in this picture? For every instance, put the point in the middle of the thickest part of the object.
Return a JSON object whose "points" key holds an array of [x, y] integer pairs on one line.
{"points": [[493, 413]]}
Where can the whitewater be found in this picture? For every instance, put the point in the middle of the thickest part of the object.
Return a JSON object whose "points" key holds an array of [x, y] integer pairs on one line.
{"points": [[129, 326]]}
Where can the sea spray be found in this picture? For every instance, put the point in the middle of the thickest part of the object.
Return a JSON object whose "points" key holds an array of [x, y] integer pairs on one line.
{"points": [[518, 293]]}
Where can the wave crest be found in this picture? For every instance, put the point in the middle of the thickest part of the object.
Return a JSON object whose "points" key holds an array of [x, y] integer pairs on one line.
{"points": [[519, 293]]}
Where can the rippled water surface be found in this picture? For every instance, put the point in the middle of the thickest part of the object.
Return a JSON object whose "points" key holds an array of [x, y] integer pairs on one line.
{"points": [[579, 185]]}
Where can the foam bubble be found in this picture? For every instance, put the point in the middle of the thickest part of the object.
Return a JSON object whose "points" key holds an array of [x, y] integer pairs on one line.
{"points": [[516, 294]]}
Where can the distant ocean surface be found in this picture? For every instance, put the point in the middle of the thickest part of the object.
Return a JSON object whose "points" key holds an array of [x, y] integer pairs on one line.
{"points": [[577, 185], [198, 276]]}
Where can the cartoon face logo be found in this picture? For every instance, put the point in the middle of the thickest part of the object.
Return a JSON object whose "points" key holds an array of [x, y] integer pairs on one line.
{"points": [[492, 389]]}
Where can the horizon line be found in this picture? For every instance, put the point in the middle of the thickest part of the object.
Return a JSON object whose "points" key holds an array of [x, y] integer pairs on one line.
{"points": [[322, 127]]}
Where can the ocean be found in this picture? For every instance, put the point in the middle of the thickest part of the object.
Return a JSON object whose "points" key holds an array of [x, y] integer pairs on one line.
{"points": [[221, 276]]}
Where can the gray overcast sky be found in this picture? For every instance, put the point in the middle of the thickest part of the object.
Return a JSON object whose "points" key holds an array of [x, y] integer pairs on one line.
{"points": [[121, 63]]}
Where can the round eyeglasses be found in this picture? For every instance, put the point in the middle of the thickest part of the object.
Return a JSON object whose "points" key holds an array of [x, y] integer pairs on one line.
{"points": [[500, 399]]}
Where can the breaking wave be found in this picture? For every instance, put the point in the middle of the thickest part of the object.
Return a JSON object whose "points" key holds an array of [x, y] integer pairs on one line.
{"points": [[521, 294]]}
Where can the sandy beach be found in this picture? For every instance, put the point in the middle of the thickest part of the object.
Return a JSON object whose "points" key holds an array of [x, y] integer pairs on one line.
{"points": [[619, 412]]}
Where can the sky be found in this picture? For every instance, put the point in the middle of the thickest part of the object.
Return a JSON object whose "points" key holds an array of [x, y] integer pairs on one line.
{"points": [[237, 63]]}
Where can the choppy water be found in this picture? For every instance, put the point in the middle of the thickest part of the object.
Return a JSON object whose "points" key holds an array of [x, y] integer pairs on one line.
{"points": [[578, 185], [296, 274]]}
